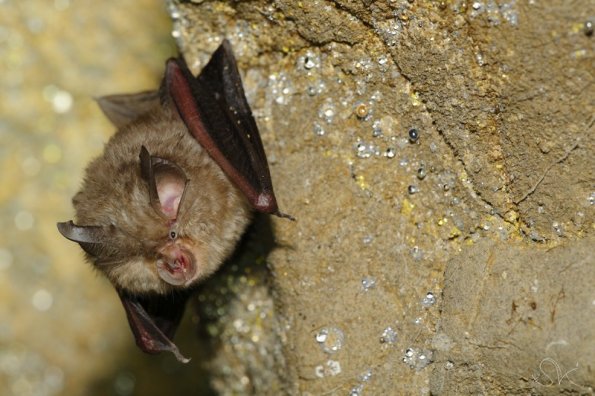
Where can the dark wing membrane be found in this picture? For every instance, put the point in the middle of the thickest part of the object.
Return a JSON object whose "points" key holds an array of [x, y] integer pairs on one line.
{"points": [[154, 321], [215, 110]]}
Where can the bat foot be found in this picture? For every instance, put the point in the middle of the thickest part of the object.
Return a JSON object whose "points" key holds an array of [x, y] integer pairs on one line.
{"points": [[284, 216]]}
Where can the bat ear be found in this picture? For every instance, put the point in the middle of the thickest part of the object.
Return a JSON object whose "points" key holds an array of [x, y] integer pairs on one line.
{"points": [[167, 183], [90, 238], [123, 109]]}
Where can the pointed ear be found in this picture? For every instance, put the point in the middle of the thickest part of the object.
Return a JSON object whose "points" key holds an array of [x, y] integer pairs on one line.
{"points": [[90, 238], [167, 183], [123, 109]]}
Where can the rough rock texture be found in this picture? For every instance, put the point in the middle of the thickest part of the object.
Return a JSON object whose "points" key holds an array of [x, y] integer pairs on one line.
{"points": [[500, 94], [519, 329]]}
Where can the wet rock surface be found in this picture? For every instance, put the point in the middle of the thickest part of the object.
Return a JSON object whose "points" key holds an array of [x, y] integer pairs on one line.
{"points": [[406, 134]]}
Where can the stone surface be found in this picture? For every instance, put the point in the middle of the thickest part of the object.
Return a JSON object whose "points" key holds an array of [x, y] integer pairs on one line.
{"points": [[516, 321], [504, 157]]}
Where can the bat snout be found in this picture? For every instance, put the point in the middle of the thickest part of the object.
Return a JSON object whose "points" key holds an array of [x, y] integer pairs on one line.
{"points": [[176, 267]]}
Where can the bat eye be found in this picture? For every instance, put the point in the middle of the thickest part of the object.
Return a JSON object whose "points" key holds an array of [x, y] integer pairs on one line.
{"points": [[173, 235]]}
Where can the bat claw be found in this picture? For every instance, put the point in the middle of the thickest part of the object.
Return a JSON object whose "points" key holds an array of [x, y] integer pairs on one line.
{"points": [[284, 216], [181, 358]]}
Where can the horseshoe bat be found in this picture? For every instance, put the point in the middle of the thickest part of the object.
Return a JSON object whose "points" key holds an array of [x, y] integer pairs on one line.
{"points": [[172, 193]]}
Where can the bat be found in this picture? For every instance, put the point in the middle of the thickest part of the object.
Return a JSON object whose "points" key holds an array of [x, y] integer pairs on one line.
{"points": [[172, 193]]}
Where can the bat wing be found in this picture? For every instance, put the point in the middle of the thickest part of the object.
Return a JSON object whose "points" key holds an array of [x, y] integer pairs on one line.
{"points": [[154, 321], [216, 112]]}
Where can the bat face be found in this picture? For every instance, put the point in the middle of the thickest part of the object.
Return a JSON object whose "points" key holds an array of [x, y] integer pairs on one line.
{"points": [[173, 191]]}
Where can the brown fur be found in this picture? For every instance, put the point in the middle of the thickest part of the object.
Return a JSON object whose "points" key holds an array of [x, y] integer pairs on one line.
{"points": [[212, 215]]}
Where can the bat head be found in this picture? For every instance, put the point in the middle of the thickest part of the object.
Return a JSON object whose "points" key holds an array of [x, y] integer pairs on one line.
{"points": [[155, 223], [161, 256]]}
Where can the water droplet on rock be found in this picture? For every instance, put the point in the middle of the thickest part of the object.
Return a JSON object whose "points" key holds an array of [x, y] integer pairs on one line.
{"points": [[330, 339]]}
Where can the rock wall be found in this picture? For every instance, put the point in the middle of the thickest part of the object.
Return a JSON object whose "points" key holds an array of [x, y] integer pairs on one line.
{"points": [[439, 159]]}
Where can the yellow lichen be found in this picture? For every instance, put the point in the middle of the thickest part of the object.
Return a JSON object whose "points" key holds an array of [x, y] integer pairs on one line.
{"points": [[407, 207]]}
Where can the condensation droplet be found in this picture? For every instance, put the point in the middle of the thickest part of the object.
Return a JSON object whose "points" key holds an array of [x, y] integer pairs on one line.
{"points": [[356, 391], [479, 59], [280, 88], [366, 149], [413, 135], [330, 368], [318, 129], [417, 358], [366, 375], [412, 189], [588, 28], [309, 62], [334, 367], [428, 300], [321, 336], [383, 63], [368, 283], [319, 371], [327, 111], [389, 336], [558, 228], [377, 129], [417, 253], [421, 172], [330, 339], [509, 13]]}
